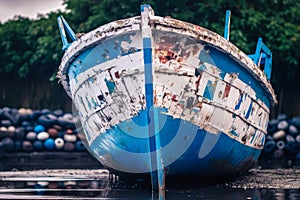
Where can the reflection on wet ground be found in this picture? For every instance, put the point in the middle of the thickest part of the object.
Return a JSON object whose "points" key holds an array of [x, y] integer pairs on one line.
{"points": [[277, 184]]}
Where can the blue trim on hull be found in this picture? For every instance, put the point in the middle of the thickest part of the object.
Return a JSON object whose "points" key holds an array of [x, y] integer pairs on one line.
{"points": [[228, 65], [105, 51], [111, 76], [199, 153], [90, 58], [134, 145], [227, 159]]}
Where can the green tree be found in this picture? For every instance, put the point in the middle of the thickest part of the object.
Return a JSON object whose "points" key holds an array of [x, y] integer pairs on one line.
{"points": [[276, 21], [13, 49], [30, 46], [33, 46]]}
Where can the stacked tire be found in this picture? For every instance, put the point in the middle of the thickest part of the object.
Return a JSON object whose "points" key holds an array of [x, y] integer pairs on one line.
{"points": [[26, 130], [283, 140]]}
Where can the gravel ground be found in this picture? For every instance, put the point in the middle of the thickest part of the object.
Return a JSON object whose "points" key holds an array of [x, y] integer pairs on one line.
{"points": [[54, 174], [268, 178], [256, 178], [257, 184]]}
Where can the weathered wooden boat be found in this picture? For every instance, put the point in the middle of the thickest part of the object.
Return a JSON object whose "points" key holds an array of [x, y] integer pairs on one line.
{"points": [[155, 94]]}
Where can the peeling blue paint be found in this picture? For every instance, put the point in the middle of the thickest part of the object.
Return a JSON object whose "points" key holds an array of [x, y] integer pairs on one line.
{"points": [[205, 56], [91, 80], [228, 65], [125, 54], [209, 90], [88, 103], [249, 111], [226, 149], [233, 132], [110, 85], [238, 105], [253, 137], [107, 50], [94, 103]]}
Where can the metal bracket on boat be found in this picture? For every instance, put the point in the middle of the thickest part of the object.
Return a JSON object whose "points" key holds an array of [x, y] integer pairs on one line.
{"points": [[63, 27], [156, 159], [227, 25], [263, 58]]}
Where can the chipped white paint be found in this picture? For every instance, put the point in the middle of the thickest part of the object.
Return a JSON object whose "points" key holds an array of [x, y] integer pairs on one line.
{"points": [[167, 24], [91, 39], [212, 115], [187, 86]]}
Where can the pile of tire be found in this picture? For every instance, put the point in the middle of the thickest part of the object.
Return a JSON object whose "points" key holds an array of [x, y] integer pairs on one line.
{"points": [[26, 130], [283, 140]]}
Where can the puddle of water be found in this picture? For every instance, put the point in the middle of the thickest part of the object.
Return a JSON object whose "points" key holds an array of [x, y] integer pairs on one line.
{"points": [[280, 184], [228, 193]]}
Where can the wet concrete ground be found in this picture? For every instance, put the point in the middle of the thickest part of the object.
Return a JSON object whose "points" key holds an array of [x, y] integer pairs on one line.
{"points": [[268, 178], [99, 184]]}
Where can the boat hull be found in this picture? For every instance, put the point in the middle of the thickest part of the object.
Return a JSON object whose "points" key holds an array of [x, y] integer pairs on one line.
{"points": [[168, 96], [187, 151]]}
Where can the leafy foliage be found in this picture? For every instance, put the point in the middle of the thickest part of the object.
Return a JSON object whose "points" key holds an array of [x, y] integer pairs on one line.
{"points": [[33, 46]]}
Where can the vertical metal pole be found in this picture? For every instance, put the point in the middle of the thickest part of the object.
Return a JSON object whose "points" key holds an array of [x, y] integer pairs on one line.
{"points": [[62, 33], [68, 29], [155, 162], [63, 27], [227, 25]]}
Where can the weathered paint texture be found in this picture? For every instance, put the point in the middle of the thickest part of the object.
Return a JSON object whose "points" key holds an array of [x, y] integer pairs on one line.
{"points": [[194, 78]]}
